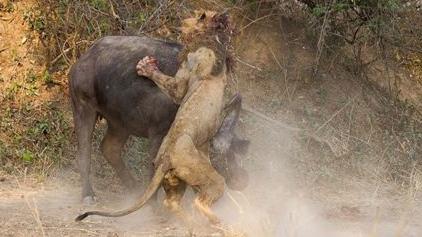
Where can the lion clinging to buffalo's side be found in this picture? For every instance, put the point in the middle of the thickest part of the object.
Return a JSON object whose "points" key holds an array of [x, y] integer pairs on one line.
{"points": [[183, 157]]}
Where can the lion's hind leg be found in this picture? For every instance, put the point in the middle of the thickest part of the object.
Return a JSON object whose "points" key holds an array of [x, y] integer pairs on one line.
{"points": [[196, 170], [175, 189]]}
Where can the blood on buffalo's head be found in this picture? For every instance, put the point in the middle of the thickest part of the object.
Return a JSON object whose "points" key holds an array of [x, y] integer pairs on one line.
{"points": [[227, 148]]}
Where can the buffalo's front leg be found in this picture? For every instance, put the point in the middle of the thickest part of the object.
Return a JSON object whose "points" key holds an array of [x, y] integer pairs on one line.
{"points": [[84, 119], [111, 147]]}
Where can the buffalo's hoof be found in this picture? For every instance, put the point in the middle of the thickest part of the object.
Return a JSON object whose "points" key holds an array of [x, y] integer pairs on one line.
{"points": [[89, 200]]}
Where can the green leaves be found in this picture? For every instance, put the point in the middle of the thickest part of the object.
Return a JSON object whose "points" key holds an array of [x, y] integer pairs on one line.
{"points": [[355, 6], [27, 156], [99, 4], [46, 77], [319, 10], [35, 20]]}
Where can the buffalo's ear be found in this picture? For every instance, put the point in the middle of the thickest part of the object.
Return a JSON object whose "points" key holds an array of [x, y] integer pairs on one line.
{"points": [[224, 136]]}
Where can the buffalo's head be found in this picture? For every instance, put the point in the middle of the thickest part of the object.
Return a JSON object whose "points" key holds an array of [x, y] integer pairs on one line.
{"points": [[227, 148]]}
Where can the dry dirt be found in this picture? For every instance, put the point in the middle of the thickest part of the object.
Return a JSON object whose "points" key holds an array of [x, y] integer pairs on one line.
{"points": [[277, 202], [316, 162]]}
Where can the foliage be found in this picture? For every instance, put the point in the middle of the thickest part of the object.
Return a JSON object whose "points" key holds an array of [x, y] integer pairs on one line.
{"points": [[35, 20], [47, 78], [373, 14], [373, 23], [66, 28], [7, 6], [99, 4], [38, 135]]}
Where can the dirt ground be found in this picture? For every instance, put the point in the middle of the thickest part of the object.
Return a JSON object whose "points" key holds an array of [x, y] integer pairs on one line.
{"points": [[320, 162], [278, 202]]}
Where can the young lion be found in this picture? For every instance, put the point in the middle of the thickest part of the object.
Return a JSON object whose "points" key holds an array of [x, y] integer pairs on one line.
{"points": [[183, 155]]}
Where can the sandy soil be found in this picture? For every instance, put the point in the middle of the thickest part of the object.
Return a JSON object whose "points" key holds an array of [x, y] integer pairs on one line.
{"points": [[48, 209]]}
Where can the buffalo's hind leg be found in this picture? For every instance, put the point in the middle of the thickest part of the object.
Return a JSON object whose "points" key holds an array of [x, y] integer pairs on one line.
{"points": [[111, 147], [84, 119]]}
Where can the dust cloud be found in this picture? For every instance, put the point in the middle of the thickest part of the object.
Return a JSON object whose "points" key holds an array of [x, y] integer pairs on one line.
{"points": [[274, 205]]}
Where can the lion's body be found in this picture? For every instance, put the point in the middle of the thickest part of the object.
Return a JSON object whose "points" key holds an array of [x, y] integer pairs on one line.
{"points": [[198, 117]]}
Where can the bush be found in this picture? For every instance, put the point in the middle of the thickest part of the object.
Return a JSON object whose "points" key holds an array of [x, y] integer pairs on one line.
{"points": [[66, 28], [380, 24]]}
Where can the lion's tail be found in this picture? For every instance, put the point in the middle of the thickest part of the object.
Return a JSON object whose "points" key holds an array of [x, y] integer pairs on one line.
{"points": [[151, 189]]}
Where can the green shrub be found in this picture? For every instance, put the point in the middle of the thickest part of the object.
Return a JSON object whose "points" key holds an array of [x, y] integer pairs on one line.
{"points": [[99, 4]]}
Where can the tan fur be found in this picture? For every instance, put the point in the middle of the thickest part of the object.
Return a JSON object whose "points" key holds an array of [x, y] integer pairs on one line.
{"points": [[185, 147]]}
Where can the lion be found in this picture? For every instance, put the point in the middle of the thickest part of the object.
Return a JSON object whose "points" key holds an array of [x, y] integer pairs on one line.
{"points": [[183, 157]]}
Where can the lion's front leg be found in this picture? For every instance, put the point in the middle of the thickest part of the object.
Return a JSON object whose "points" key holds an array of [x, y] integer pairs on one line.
{"points": [[175, 87]]}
